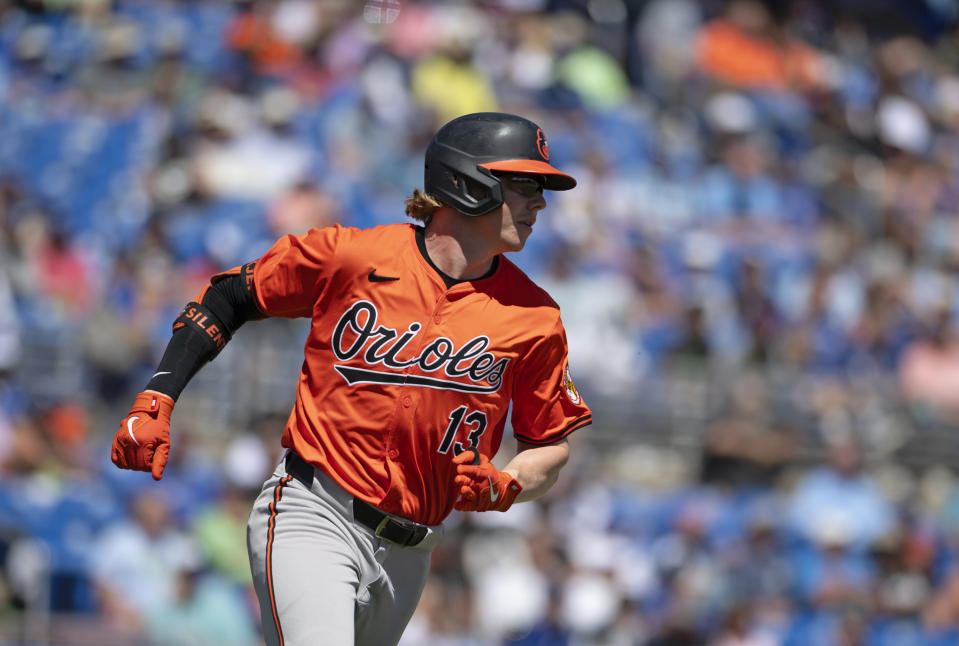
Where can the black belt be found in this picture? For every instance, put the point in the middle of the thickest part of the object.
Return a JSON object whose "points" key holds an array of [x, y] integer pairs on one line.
{"points": [[395, 530]]}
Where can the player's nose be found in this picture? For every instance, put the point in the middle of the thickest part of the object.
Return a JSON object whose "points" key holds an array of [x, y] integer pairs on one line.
{"points": [[537, 202]]}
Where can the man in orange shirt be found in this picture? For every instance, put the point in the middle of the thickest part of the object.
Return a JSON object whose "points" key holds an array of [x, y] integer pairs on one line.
{"points": [[421, 338]]}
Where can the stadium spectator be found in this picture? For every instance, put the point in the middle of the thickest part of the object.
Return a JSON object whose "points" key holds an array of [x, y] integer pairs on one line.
{"points": [[839, 503], [137, 563]]}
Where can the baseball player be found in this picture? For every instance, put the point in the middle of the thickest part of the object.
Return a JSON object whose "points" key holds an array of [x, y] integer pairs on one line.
{"points": [[422, 336]]}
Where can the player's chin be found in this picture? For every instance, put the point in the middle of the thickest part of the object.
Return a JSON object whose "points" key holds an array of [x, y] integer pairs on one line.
{"points": [[518, 241]]}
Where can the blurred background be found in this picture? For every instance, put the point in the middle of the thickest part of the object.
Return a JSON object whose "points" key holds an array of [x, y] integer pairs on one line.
{"points": [[757, 274]]}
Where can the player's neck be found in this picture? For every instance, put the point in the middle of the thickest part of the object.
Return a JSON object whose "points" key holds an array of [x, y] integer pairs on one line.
{"points": [[457, 255], [454, 259]]}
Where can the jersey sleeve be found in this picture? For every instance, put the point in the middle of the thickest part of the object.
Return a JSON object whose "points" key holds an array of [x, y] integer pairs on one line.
{"points": [[546, 404], [292, 275]]}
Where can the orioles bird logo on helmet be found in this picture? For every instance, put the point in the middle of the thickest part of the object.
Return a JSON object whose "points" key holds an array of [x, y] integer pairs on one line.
{"points": [[541, 144]]}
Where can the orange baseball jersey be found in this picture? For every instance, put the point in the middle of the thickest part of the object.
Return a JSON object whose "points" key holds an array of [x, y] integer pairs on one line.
{"points": [[401, 373]]}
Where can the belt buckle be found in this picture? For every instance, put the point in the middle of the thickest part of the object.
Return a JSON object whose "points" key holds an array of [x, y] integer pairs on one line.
{"points": [[405, 525], [381, 526]]}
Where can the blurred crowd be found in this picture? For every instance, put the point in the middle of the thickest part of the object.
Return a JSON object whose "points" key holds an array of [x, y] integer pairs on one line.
{"points": [[757, 272]]}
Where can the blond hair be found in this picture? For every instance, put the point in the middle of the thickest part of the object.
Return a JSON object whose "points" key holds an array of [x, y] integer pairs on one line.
{"points": [[421, 206]]}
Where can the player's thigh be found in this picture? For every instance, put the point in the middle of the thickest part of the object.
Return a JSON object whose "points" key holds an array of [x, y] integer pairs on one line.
{"points": [[383, 614], [304, 572]]}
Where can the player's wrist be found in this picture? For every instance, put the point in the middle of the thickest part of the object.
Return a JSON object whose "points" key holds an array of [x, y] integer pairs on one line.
{"points": [[153, 402], [511, 489], [154, 391]]}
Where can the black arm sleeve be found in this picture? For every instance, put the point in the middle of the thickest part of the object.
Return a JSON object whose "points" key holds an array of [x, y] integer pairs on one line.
{"points": [[202, 330]]}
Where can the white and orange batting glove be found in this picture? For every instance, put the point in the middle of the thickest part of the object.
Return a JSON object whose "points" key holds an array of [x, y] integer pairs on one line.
{"points": [[143, 441], [483, 487]]}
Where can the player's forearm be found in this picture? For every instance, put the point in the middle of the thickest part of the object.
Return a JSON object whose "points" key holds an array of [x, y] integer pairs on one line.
{"points": [[537, 468], [186, 352], [204, 328]]}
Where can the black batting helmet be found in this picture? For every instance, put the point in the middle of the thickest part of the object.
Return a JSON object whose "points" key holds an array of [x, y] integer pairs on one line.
{"points": [[463, 154]]}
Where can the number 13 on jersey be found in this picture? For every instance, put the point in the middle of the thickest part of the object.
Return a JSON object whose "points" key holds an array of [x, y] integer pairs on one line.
{"points": [[476, 422]]}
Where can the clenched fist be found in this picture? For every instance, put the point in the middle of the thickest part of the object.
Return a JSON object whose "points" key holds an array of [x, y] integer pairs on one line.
{"points": [[143, 441], [482, 486]]}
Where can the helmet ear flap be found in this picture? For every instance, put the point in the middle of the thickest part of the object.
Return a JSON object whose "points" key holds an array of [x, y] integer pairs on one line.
{"points": [[452, 177]]}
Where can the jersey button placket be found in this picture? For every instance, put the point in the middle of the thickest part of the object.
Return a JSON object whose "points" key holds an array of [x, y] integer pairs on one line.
{"points": [[437, 315], [407, 402]]}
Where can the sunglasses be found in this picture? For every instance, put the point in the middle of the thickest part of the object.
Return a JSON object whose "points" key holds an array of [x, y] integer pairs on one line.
{"points": [[526, 185]]}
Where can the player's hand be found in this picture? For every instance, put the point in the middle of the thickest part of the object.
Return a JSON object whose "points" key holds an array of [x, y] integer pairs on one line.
{"points": [[143, 441], [482, 486]]}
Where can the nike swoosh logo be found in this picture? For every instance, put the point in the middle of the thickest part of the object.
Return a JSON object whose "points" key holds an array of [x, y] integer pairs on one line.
{"points": [[493, 493], [130, 428], [376, 278], [157, 374]]}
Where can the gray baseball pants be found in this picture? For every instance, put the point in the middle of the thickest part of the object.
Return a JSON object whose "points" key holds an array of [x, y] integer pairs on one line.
{"points": [[322, 577]]}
